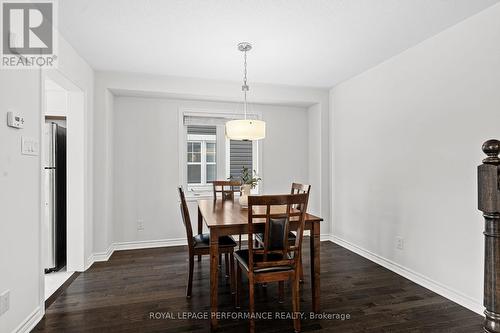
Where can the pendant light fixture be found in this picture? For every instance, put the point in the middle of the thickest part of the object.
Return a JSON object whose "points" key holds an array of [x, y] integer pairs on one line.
{"points": [[245, 129]]}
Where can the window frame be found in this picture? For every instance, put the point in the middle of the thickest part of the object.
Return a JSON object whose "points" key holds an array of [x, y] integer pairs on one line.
{"points": [[200, 163], [211, 163], [205, 191], [202, 140]]}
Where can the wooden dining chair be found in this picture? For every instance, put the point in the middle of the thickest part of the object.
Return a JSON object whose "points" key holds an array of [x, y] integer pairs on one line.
{"points": [[277, 260], [227, 188], [296, 189], [200, 245]]}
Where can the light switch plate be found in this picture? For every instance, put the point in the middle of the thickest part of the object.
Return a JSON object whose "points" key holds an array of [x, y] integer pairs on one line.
{"points": [[4, 302], [15, 120], [29, 146], [400, 243]]}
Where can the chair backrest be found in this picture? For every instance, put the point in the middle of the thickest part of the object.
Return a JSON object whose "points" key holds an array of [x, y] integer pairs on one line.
{"points": [[277, 211], [301, 188], [227, 188], [185, 217]]}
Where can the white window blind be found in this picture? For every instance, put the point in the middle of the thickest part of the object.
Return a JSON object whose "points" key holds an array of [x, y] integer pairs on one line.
{"points": [[240, 155], [202, 130], [213, 120]]}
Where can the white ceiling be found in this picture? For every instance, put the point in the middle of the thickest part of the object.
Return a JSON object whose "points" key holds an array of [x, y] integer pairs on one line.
{"points": [[296, 42]]}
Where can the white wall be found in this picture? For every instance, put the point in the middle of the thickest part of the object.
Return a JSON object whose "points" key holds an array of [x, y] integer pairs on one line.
{"points": [[20, 200], [108, 83], [146, 167], [285, 149], [20, 190], [407, 138]]}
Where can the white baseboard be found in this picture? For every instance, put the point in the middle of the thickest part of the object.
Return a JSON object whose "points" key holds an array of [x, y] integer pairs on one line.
{"points": [[90, 261], [30, 322], [149, 244], [325, 237], [438, 288], [134, 245], [103, 256]]}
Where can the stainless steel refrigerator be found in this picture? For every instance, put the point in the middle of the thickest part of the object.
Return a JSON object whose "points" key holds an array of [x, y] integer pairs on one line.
{"points": [[54, 228]]}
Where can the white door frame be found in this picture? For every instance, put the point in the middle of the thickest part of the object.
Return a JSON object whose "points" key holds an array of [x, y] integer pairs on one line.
{"points": [[75, 122]]}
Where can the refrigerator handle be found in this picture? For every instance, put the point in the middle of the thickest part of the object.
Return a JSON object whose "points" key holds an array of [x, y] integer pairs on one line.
{"points": [[53, 190], [53, 148]]}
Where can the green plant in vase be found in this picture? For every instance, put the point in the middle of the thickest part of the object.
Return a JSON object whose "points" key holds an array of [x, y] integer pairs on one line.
{"points": [[249, 180]]}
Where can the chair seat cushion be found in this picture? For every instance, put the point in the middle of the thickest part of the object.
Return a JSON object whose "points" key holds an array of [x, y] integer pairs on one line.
{"points": [[242, 257], [291, 237], [203, 240]]}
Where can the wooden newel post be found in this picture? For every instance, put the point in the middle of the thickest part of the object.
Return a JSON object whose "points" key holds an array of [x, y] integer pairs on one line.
{"points": [[489, 203]]}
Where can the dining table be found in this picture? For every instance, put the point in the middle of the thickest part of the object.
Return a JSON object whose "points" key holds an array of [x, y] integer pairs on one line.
{"points": [[228, 217]]}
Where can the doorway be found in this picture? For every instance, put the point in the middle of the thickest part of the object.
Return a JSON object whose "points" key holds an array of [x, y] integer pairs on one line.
{"points": [[62, 243]]}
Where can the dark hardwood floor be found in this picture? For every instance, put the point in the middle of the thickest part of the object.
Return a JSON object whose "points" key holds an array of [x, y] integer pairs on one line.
{"points": [[120, 296]]}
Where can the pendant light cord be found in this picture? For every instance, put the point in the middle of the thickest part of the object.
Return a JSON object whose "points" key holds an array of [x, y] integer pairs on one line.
{"points": [[245, 86]]}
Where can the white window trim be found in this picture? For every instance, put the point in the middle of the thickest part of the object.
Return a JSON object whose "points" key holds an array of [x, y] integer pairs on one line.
{"points": [[221, 153], [202, 140]]}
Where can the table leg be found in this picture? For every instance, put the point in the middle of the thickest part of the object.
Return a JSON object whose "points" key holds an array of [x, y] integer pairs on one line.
{"points": [[200, 227], [214, 263], [315, 266]]}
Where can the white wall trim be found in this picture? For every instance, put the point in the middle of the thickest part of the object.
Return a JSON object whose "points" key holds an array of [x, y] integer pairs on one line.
{"points": [[136, 245], [449, 293], [149, 244], [103, 256], [325, 237], [77, 127], [90, 261], [30, 322]]}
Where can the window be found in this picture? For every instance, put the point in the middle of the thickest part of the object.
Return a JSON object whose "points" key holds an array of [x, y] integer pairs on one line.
{"points": [[207, 155], [194, 162], [201, 155], [211, 162], [240, 155]]}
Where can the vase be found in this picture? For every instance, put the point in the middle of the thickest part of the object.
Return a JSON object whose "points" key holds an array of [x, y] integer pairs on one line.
{"points": [[245, 192]]}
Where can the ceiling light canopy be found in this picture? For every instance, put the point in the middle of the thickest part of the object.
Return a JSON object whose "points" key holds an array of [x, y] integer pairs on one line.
{"points": [[245, 129]]}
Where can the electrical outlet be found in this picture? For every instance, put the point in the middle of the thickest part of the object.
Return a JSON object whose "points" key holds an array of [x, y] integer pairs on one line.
{"points": [[140, 225], [399, 243], [4, 302]]}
